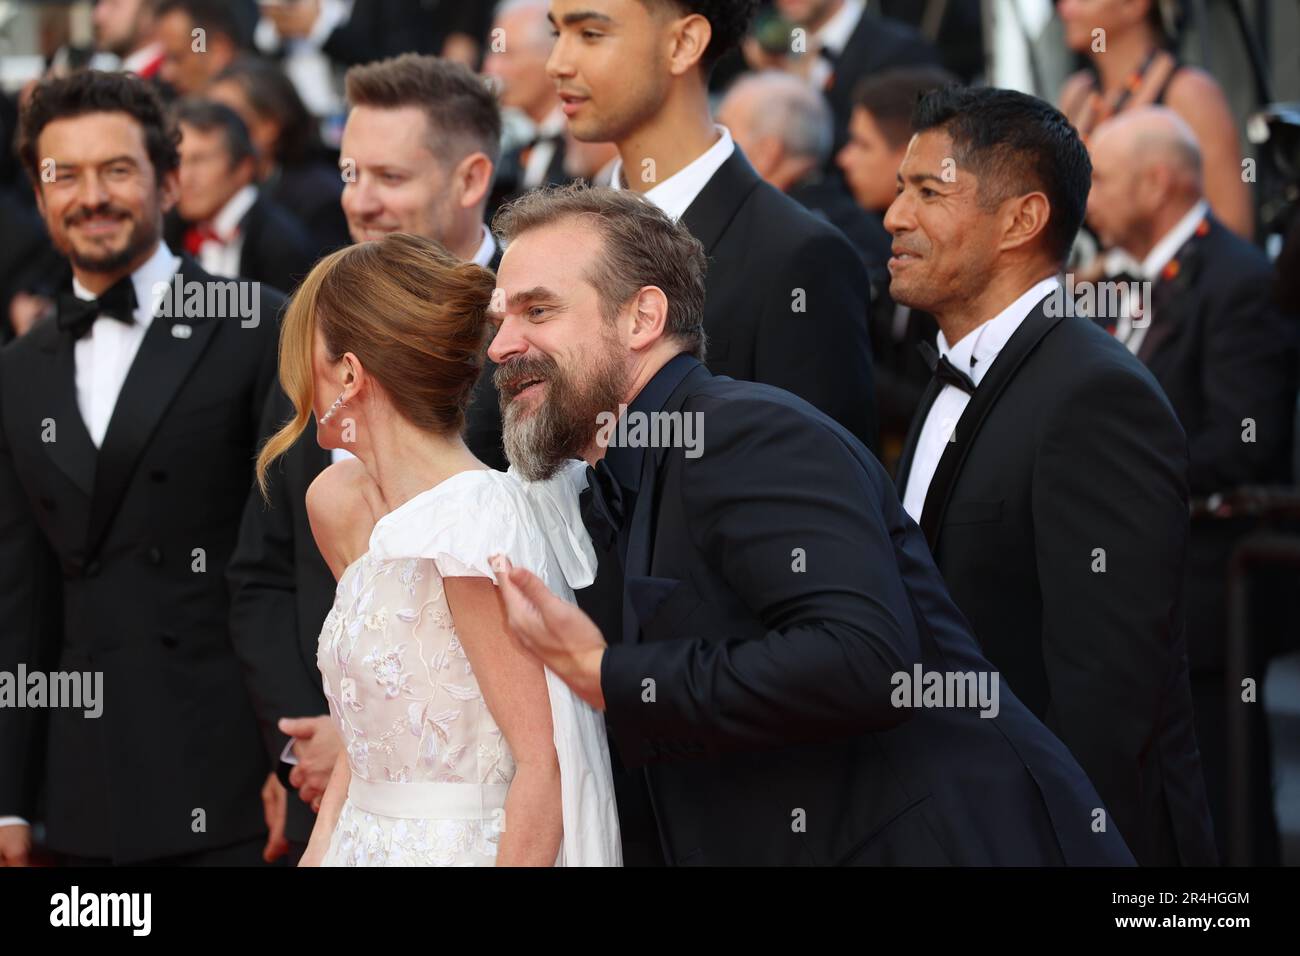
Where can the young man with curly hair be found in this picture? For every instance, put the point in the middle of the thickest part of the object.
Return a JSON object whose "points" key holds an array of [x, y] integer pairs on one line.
{"points": [[787, 296]]}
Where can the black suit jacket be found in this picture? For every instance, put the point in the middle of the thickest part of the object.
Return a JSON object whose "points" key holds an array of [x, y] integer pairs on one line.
{"points": [[786, 298], [1069, 459], [1225, 354], [509, 182], [277, 249], [876, 44], [99, 552], [280, 592], [772, 589], [311, 192]]}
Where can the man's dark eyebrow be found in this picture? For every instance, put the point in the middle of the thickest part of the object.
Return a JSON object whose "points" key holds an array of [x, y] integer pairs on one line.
{"points": [[918, 178], [578, 16], [536, 294]]}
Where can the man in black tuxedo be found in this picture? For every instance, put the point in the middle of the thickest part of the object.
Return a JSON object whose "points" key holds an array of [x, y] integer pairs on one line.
{"points": [[772, 589], [848, 43], [404, 114], [518, 69], [229, 225], [787, 296], [1045, 466], [1225, 354], [127, 429]]}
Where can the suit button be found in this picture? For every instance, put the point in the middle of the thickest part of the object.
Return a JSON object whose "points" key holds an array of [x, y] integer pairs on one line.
{"points": [[92, 569], [155, 555], [169, 640]]}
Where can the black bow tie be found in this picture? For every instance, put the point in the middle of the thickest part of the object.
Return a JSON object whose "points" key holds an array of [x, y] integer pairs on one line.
{"points": [[77, 315], [945, 371], [602, 506]]}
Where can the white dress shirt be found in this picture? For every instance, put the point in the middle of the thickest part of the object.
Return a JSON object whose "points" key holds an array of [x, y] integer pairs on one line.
{"points": [[676, 193], [307, 67], [483, 257], [220, 256], [834, 37], [973, 354], [548, 132], [104, 355], [1159, 257]]}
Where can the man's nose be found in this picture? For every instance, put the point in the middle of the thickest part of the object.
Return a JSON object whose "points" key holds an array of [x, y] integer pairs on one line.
{"points": [[557, 64], [898, 217], [90, 189], [508, 341], [360, 196]]}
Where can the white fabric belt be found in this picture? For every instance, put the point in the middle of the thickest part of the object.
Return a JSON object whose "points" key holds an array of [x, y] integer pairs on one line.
{"points": [[427, 800]]}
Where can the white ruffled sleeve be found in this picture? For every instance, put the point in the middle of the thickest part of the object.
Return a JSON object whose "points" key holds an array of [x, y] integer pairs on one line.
{"points": [[461, 523]]}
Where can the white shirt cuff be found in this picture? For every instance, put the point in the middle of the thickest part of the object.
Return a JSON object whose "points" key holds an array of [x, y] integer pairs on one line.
{"points": [[287, 755], [13, 821]]}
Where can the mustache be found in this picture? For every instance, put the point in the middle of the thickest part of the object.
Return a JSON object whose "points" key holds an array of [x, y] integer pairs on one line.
{"points": [[81, 215], [512, 375]]}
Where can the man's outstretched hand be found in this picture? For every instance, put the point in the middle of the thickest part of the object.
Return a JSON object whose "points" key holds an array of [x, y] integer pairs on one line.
{"points": [[559, 633]]}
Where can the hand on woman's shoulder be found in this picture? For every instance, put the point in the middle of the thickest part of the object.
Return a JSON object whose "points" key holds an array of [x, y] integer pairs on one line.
{"points": [[343, 505]]}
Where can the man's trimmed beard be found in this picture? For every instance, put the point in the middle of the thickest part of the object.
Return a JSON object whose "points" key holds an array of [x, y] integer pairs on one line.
{"points": [[141, 238], [565, 421]]}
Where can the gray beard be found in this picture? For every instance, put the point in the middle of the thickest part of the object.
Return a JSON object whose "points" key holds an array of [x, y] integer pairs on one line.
{"points": [[564, 424]]}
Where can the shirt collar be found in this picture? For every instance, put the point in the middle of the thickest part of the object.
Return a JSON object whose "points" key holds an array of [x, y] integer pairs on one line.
{"points": [[676, 193], [625, 463], [975, 351], [1173, 240], [157, 269], [486, 249], [226, 222], [835, 32], [142, 58], [553, 125]]}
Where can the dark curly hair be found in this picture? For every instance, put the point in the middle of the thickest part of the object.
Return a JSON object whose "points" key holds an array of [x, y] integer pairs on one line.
{"points": [[728, 18], [94, 91]]}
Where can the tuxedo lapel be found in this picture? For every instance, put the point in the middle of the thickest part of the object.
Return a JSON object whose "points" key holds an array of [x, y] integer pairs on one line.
{"points": [[716, 206], [1004, 368], [914, 434], [54, 388], [640, 542], [1172, 296], [160, 368]]}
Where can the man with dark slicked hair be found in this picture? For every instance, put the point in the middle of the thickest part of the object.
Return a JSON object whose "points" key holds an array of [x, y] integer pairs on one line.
{"points": [[787, 295], [1045, 465]]}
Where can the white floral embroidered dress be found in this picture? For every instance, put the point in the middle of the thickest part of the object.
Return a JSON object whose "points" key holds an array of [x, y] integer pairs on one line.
{"points": [[430, 767]]}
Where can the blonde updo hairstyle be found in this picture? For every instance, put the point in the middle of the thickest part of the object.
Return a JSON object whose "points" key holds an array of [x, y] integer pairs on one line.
{"points": [[413, 314]]}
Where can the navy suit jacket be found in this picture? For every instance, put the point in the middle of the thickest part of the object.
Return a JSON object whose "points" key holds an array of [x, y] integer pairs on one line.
{"points": [[772, 587]]}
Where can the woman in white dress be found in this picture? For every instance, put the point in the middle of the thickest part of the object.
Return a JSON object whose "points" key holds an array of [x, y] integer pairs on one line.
{"points": [[459, 749]]}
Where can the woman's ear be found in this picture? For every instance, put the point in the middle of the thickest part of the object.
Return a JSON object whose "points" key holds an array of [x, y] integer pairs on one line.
{"points": [[353, 375]]}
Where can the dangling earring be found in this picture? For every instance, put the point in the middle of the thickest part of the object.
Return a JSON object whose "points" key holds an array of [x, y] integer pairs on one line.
{"points": [[329, 412]]}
